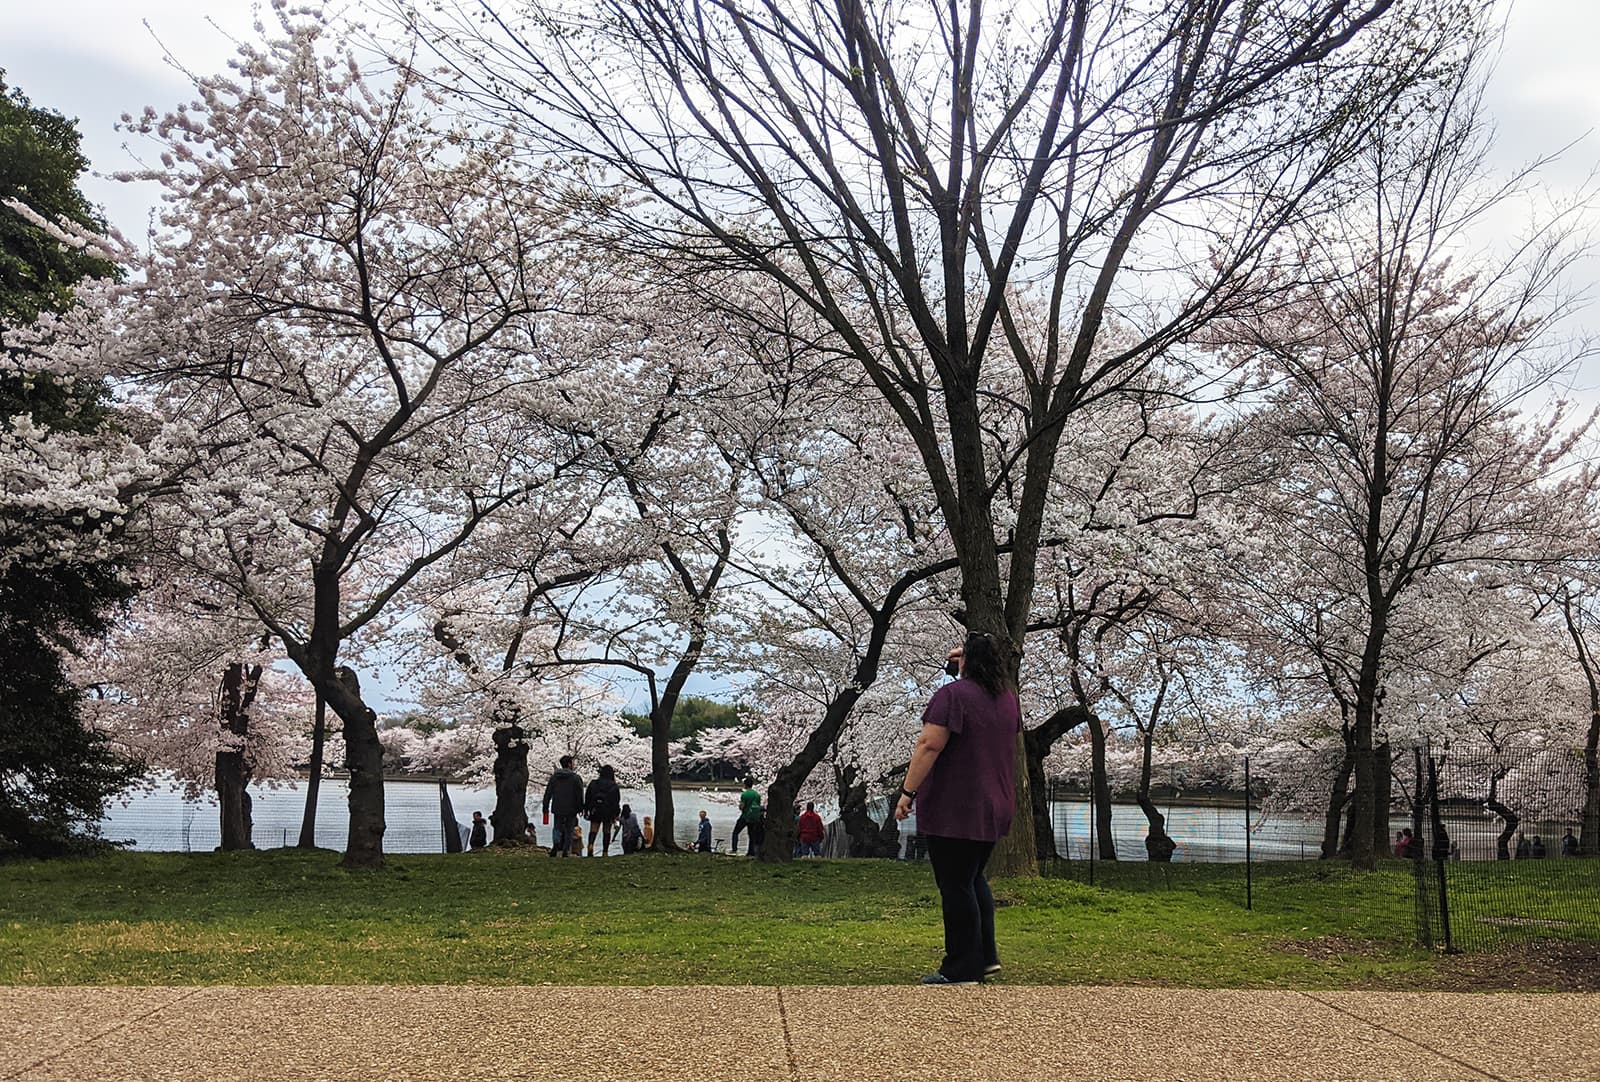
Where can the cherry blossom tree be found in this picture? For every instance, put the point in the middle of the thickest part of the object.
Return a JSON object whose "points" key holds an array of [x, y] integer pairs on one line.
{"points": [[1069, 157], [354, 302], [189, 685], [1389, 437]]}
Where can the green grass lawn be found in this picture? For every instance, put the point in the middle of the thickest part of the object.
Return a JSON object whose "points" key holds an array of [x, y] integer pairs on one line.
{"points": [[291, 917]]}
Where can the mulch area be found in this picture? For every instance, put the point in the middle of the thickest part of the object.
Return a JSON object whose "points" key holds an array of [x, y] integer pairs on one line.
{"points": [[1549, 966]]}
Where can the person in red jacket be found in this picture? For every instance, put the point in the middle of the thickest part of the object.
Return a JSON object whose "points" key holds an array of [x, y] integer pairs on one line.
{"points": [[811, 832]]}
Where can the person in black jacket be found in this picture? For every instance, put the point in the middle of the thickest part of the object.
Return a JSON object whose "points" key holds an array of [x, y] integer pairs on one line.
{"points": [[480, 830], [603, 806], [563, 795]]}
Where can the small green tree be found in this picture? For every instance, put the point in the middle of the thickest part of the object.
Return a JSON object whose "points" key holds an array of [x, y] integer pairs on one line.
{"points": [[55, 773]]}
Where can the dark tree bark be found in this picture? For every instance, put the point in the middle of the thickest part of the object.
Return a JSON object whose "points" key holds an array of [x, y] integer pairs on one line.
{"points": [[510, 816], [363, 759], [234, 766], [1100, 789], [1338, 799], [1502, 841], [1158, 844], [319, 736], [1038, 741], [868, 838], [1382, 797], [786, 785]]}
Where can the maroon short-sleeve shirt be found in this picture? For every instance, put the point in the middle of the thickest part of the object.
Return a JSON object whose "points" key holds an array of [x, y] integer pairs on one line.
{"points": [[968, 793]]}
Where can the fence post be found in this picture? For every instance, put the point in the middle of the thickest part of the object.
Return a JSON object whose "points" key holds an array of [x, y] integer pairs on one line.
{"points": [[1249, 885], [1441, 849], [1092, 826]]}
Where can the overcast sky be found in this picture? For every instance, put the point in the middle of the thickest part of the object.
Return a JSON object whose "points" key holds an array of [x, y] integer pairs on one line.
{"points": [[97, 59]]}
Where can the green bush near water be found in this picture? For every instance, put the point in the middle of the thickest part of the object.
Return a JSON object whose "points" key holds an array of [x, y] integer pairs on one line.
{"points": [[514, 917]]}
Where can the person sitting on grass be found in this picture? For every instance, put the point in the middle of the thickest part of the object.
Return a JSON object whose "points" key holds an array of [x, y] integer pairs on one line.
{"points": [[631, 834], [703, 839], [649, 831]]}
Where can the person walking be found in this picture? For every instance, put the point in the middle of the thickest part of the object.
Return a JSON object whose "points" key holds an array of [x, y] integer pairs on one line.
{"points": [[628, 827], [603, 805], [703, 837], [480, 831], [959, 783], [563, 797], [810, 830], [749, 805]]}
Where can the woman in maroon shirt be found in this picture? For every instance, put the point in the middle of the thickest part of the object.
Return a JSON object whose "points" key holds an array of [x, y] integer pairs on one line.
{"points": [[960, 781]]}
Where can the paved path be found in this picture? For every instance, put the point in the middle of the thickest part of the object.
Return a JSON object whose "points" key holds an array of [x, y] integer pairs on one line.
{"points": [[756, 1034]]}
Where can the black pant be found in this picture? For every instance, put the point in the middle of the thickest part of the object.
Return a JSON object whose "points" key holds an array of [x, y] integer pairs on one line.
{"points": [[958, 865]]}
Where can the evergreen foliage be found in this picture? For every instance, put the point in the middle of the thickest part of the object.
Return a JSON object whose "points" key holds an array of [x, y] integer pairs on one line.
{"points": [[55, 773]]}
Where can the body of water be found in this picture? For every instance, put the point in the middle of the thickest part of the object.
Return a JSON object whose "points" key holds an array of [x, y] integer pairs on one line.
{"points": [[163, 819]]}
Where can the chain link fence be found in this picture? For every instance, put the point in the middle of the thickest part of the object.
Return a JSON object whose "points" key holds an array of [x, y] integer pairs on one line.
{"points": [[1494, 838]]}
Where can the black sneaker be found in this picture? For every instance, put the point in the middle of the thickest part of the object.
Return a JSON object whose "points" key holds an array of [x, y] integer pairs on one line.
{"points": [[991, 969], [939, 978]]}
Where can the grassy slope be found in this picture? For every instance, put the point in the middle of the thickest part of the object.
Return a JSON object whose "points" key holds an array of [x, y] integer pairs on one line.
{"points": [[282, 916]]}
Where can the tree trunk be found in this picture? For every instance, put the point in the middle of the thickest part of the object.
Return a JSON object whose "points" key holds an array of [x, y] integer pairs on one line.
{"points": [[1382, 796], [363, 759], [1038, 742], [1100, 790], [1338, 799], [660, 741], [1363, 799], [319, 734], [510, 816], [234, 767], [780, 823], [1158, 845], [867, 837], [1502, 842], [1589, 828]]}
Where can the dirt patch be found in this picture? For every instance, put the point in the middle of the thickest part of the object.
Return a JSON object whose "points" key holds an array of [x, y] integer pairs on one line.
{"points": [[1530, 967], [1326, 948]]}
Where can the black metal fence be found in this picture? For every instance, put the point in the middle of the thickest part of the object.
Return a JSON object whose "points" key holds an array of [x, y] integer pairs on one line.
{"points": [[1494, 838]]}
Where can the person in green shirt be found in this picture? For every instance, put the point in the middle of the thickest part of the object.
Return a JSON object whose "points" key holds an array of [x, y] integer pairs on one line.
{"points": [[749, 814]]}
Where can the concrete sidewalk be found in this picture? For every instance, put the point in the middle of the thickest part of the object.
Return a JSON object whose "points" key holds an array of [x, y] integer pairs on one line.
{"points": [[752, 1034]]}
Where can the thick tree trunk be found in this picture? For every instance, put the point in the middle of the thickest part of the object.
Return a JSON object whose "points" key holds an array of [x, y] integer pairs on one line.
{"points": [[868, 838], [780, 822], [1382, 797], [1038, 742], [1589, 828], [233, 767], [1502, 842], [319, 736], [363, 759], [1364, 812], [1338, 800], [1100, 790], [510, 816], [660, 744], [1158, 845]]}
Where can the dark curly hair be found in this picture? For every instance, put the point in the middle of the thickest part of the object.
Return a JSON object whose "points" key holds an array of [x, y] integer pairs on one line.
{"points": [[983, 664]]}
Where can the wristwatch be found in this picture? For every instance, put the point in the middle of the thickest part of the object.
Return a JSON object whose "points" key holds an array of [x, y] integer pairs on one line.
{"points": [[908, 793]]}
